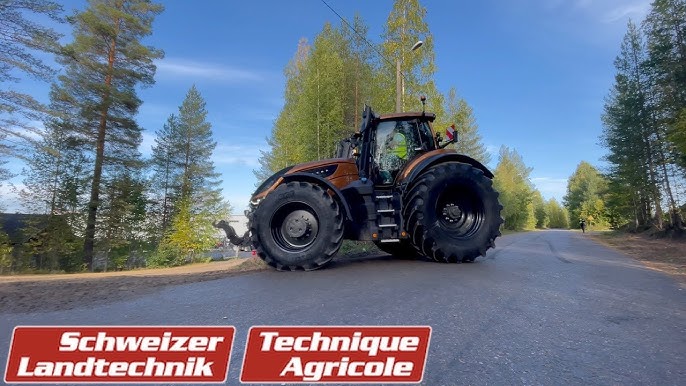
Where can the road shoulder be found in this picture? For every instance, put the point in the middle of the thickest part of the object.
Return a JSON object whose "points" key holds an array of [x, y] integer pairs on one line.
{"points": [[43, 293], [661, 254]]}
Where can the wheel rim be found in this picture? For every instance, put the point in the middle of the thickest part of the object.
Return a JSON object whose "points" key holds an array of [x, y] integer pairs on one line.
{"points": [[294, 226], [461, 211]]}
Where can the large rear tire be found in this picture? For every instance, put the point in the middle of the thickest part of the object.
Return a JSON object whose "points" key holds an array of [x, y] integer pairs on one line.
{"points": [[298, 226], [453, 213]]}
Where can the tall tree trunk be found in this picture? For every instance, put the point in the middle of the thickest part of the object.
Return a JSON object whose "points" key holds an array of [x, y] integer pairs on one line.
{"points": [[655, 193], [186, 188], [100, 152], [53, 199], [674, 218], [635, 209], [165, 204], [645, 136], [648, 210], [357, 98]]}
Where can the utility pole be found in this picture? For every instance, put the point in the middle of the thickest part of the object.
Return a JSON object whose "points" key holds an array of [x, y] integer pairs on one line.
{"points": [[399, 87]]}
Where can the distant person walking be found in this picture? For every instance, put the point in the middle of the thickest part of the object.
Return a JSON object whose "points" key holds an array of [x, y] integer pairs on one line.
{"points": [[582, 223]]}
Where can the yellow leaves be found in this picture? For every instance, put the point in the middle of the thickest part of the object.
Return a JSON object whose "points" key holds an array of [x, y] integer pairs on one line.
{"points": [[5, 253], [191, 234]]}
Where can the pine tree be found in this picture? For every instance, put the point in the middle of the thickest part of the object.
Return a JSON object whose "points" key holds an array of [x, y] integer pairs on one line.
{"points": [[165, 175], [194, 146], [665, 29], [56, 184], [21, 42], [103, 66], [183, 160], [678, 136], [630, 134], [56, 180], [122, 217], [469, 140]]}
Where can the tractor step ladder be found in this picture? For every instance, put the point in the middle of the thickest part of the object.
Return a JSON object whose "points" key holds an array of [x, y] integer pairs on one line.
{"points": [[387, 216]]}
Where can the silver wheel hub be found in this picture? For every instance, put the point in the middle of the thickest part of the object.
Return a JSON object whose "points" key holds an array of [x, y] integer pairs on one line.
{"points": [[452, 213]]}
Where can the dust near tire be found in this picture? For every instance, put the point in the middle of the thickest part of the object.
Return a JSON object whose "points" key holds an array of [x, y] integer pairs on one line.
{"points": [[298, 226], [452, 213]]}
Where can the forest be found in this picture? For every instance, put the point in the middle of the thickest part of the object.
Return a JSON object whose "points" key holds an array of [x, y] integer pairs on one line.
{"points": [[95, 201]]}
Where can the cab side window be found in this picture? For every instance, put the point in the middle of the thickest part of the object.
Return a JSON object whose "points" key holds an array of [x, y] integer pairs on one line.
{"points": [[396, 143]]}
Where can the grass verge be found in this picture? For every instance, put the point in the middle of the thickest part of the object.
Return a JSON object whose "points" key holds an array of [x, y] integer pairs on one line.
{"points": [[662, 254]]}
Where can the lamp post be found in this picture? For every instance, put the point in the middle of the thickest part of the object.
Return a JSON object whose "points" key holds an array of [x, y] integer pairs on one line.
{"points": [[399, 89]]}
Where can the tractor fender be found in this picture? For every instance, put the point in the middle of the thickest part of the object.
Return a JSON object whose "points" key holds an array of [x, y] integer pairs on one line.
{"points": [[326, 184], [435, 159]]}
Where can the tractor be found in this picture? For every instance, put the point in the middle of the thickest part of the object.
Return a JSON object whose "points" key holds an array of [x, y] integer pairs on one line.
{"points": [[393, 183]]}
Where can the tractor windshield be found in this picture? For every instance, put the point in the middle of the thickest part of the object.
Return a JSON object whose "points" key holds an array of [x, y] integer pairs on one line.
{"points": [[398, 141]]}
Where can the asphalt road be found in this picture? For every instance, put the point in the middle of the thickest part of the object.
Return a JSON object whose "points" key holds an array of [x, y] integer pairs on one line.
{"points": [[543, 308]]}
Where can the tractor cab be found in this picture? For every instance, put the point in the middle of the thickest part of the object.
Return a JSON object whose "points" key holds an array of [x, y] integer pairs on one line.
{"points": [[397, 140], [387, 143]]}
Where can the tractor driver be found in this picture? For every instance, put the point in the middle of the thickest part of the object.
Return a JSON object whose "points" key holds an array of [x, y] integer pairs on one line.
{"points": [[398, 145], [393, 154]]}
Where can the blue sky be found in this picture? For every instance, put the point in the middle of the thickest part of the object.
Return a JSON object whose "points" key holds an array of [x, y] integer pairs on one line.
{"points": [[534, 71]]}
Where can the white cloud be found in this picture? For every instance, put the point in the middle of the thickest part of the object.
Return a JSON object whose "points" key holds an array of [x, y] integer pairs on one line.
{"points": [[10, 201], [25, 131], [583, 3], [493, 149], [239, 202], [223, 155], [216, 72], [625, 11], [551, 187], [147, 143], [247, 155], [605, 11]]}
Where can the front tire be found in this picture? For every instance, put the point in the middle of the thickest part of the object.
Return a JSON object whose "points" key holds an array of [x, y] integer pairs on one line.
{"points": [[298, 226], [453, 213]]}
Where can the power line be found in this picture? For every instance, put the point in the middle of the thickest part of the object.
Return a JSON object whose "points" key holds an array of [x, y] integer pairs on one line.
{"points": [[361, 36]]}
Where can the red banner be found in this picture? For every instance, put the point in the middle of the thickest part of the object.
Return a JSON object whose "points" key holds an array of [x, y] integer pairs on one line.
{"points": [[105, 354], [347, 354]]}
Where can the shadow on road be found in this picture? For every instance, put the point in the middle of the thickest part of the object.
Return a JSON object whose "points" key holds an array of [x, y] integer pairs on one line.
{"points": [[377, 259]]}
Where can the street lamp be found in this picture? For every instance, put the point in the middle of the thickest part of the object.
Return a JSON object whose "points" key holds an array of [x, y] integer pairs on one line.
{"points": [[399, 89]]}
